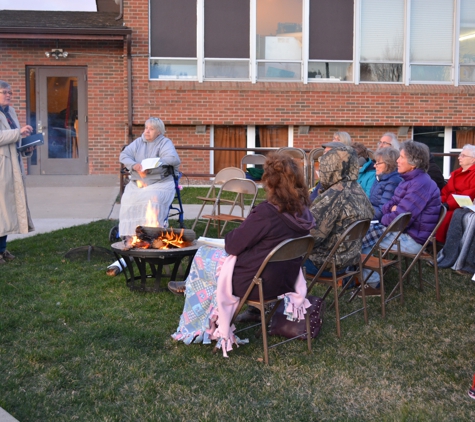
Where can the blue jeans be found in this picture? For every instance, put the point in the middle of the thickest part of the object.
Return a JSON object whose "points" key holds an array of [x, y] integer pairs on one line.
{"points": [[408, 244], [3, 243], [313, 270]]}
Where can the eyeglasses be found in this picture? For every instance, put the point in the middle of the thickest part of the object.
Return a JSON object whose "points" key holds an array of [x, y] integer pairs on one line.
{"points": [[7, 92], [385, 143], [465, 156], [378, 164]]}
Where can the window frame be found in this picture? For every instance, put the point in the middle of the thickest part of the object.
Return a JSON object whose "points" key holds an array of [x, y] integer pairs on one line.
{"points": [[305, 62]]}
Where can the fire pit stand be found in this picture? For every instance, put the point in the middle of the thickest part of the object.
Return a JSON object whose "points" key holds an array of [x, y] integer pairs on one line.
{"points": [[156, 259]]}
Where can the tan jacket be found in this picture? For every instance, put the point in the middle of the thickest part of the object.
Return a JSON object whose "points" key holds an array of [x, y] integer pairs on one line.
{"points": [[14, 212]]}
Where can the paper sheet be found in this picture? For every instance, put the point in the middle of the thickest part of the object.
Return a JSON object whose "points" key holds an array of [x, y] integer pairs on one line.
{"points": [[463, 200], [150, 163]]}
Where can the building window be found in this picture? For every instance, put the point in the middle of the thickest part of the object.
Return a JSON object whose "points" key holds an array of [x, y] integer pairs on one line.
{"points": [[467, 41], [431, 45], [245, 137], [331, 40], [226, 39], [279, 39], [382, 41], [173, 39], [392, 41]]}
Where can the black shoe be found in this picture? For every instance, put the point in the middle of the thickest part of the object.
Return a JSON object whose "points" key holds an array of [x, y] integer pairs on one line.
{"points": [[251, 314]]}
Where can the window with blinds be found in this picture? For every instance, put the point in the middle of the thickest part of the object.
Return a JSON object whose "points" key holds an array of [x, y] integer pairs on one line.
{"points": [[382, 40], [432, 37]]}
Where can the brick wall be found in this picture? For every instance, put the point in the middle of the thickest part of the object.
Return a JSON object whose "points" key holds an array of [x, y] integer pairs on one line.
{"points": [[107, 89], [366, 111]]}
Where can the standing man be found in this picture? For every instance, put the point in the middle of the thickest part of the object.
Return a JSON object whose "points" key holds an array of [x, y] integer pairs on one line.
{"points": [[14, 212]]}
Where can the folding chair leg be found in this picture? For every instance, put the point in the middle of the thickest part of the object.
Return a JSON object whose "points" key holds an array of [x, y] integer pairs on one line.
{"points": [[264, 336], [421, 282], [363, 296], [337, 309], [436, 271], [383, 302]]}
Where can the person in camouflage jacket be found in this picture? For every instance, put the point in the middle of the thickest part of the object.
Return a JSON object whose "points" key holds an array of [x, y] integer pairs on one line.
{"points": [[340, 203]]}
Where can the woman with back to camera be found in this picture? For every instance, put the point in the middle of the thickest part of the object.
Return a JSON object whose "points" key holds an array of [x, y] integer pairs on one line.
{"points": [[15, 215], [282, 216]]}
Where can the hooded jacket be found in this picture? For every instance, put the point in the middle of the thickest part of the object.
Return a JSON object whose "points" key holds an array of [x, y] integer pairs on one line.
{"points": [[262, 231], [340, 203], [367, 176]]}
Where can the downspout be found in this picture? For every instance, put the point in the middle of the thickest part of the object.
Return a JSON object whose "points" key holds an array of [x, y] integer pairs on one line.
{"points": [[121, 13], [129, 86], [129, 107]]}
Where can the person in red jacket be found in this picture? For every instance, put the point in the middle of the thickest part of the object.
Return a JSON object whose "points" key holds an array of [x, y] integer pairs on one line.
{"points": [[461, 182]]}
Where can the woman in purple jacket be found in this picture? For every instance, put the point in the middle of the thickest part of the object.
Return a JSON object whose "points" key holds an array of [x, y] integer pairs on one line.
{"points": [[417, 194], [282, 216]]}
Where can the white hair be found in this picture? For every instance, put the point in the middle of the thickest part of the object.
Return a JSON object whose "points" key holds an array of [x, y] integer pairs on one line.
{"points": [[157, 124], [470, 149], [394, 141]]}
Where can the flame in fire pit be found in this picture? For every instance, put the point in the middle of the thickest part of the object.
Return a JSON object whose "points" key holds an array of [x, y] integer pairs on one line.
{"points": [[151, 216], [168, 239]]}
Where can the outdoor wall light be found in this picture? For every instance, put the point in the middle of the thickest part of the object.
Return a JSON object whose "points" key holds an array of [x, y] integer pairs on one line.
{"points": [[57, 53]]}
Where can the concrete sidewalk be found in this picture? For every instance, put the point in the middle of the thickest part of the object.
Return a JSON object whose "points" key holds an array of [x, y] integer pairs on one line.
{"points": [[58, 202]]}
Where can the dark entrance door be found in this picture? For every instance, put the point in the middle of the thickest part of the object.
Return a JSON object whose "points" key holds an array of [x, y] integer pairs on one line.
{"points": [[57, 101]]}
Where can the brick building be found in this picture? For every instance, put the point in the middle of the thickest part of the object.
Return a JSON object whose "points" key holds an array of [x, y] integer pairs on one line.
{"points": [[249, 73]]}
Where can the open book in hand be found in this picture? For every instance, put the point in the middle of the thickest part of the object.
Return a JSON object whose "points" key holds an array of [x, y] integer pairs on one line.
{"points": [[31, 141], [464, 201], [150, 163]]}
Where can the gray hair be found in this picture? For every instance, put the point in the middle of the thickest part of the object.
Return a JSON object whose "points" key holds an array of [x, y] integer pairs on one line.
{"points": [[394, 141], [157, 124], [417, 154], [470, 149], [4, 85], [343, 137], [389, 157]]}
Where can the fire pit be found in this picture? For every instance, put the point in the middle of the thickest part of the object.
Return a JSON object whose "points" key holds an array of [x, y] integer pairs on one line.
{"points": [[177, 244]]}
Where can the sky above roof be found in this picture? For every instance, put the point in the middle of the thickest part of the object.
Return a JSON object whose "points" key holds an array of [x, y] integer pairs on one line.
{"points": [[58, 5]]}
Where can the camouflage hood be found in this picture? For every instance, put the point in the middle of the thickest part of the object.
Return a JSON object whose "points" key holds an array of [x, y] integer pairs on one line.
{"points": [[340, 164]]}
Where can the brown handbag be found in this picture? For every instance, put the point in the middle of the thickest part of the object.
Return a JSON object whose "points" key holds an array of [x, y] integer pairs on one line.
{"points": [[281, 326]]}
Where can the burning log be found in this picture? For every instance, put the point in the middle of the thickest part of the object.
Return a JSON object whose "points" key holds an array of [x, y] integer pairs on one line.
{"points": [[160, 238]]}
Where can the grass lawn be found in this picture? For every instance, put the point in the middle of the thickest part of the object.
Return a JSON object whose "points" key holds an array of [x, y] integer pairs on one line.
{"points": [[76, 344]]}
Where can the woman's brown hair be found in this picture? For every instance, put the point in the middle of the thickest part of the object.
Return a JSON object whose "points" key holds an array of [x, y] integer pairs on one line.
{"points": [[285, 184]]}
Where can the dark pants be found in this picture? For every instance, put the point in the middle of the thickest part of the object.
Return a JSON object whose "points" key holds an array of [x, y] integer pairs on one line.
{"points": [[3, 243]]}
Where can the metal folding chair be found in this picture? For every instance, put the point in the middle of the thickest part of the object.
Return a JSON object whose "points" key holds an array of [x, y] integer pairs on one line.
{"points": [[314, 164], [297, 154], [381, 263], [252, 160], [221, 177], [354, 232], [285, 251], [243, 190], [428, 252]]}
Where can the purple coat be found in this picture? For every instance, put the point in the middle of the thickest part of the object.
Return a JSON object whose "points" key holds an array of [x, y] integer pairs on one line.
{"points": [[419, 195], [264, 229]]}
